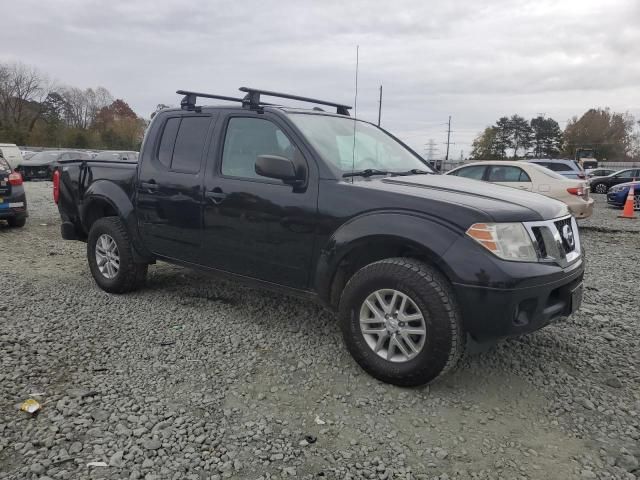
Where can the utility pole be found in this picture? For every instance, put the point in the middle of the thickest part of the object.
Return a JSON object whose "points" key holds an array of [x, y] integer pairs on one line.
{"points": [[446, 158], [380, 106]]}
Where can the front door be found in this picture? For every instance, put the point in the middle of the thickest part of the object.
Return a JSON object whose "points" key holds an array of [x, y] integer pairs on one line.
{"points": [[170, 186], [509, 176], [253, 225]]}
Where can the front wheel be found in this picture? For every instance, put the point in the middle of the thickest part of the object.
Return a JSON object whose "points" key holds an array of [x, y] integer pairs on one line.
{"points": [[110, 256], [400, 322], [600, 188]]}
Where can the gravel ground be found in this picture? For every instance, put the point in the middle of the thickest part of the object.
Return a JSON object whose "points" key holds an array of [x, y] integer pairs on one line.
{"points": [[197, 378], [605, 218]]}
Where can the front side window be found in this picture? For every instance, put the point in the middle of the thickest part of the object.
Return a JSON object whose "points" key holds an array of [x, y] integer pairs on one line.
{"points": [[476, 172], [350, 144], [246, 139], [624, 174], [507, 174]]}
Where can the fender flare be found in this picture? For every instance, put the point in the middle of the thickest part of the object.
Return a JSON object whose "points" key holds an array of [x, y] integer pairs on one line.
{"points": [[110, 193], [432, 236]]}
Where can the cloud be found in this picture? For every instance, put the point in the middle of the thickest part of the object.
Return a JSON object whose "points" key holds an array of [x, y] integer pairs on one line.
{"points": [[473, 60]]}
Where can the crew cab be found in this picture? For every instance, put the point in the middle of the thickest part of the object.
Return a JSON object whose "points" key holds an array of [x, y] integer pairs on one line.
{"points": [[335, 209]]}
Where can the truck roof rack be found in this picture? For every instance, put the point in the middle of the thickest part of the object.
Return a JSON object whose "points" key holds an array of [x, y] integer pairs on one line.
{"points": [[252, 99]]}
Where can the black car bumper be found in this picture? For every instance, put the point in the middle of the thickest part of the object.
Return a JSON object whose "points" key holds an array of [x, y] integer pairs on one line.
{"points": [[500, 298], [492, 313], [17, 212]]}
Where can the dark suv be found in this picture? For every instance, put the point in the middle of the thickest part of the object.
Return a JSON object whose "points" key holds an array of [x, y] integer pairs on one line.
{"points": [[334, 209], [13, 200]]}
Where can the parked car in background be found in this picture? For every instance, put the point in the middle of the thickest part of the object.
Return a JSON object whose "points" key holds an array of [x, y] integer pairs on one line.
{"points": [[11, 154], [532, 178], [42, 164], [565, 167], [617, 195], [13, 200], [599, 172], [122, 156], [603, 184]]}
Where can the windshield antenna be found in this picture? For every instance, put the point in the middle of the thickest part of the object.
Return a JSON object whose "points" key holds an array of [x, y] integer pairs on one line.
{"points": [[355, 116]]}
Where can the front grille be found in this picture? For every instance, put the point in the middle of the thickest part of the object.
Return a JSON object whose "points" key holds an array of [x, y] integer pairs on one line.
{"points": [[565, 228], [556, 240], [542, 248]]}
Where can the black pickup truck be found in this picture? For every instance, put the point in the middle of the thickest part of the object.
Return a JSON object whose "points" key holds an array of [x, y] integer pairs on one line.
{"points": [[324, 206]]}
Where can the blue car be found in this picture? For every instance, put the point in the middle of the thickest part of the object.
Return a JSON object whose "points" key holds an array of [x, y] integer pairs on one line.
{"points": [[617, 194]]}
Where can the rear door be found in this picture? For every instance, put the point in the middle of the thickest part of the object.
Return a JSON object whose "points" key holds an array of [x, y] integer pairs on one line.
{"points": [[509, 176], [170, 182]]}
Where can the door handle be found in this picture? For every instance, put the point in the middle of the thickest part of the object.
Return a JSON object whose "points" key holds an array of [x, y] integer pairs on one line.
{"points": [[150, 186], [216, 195]]}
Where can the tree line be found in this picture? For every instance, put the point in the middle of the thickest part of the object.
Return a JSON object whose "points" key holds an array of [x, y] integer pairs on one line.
{"points": [[611, 135], [38, 112]]}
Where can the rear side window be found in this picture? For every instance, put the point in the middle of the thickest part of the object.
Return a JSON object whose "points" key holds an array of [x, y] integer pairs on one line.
{"points": [[187, 152], [476, 172], [167, 141], [507, 174], [559, 167], [624, 174], [182, 143]]}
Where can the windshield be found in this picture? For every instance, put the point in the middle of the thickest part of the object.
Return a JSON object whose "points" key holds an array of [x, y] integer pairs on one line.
{"points": [[333, 138]]}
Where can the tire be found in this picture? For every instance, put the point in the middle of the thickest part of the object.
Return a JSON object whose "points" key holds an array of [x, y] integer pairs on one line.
{"points": [[443, 344], [17, 222], [636, 202], [129, 275], [599, 188]]}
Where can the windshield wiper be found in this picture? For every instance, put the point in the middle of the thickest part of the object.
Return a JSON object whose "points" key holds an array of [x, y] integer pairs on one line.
{"points": [[367, 172]]}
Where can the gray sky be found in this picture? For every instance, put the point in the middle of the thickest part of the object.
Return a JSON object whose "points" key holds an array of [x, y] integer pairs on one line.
{"points": [[474, 60]]}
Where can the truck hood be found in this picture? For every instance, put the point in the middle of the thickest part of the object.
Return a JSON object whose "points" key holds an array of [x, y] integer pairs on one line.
{"points": [[498, 203]]}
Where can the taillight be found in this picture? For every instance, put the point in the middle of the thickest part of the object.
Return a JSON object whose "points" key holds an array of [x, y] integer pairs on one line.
{"points": [[56, 186], [576, 191], [15, 179]]}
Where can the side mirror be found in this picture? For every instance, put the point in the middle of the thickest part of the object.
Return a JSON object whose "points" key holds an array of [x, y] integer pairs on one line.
{"points": [[274, 166]]}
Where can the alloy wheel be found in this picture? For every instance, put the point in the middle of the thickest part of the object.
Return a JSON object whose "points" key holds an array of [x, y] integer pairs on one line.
{"points": [[392, 325], [107, 256]]}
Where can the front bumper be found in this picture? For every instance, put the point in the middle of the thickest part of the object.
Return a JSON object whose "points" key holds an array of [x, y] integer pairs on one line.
{"points": [[493, 313], [616, 199]]}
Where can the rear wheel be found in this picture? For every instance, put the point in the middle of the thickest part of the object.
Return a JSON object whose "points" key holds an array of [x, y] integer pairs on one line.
{"points": [[600, 188], [400, 322], [17, 222], [110, 256]]}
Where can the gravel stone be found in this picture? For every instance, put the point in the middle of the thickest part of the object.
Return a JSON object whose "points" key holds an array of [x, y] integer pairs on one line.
{"points": [[194, 377]]}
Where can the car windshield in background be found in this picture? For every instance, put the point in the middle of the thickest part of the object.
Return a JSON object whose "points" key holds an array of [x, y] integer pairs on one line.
{"points": [[548, 172], [373, 149], [124, 156]]}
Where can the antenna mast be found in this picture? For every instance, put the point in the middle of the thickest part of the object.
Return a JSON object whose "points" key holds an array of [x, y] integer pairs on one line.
{"points": [[355, 115]]}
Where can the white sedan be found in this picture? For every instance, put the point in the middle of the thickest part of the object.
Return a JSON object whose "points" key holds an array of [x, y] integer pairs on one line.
{"points": [[533, 178]]}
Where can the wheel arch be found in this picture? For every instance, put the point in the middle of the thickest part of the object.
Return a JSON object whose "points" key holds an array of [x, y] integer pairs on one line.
{"points": [[375, 237]]}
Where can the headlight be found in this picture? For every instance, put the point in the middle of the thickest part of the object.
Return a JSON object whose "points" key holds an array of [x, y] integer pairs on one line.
{"points": [[617, 189], [509, 241]]}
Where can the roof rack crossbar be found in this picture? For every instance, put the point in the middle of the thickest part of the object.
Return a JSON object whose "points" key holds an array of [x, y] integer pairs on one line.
{"points": [[253, 99], [189, 100]]}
